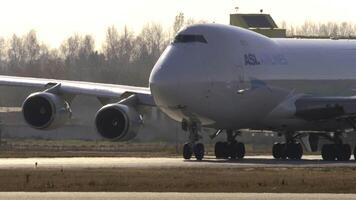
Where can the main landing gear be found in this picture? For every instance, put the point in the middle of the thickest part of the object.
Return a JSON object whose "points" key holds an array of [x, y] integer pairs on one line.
{"points": [[231, 148], [290, 149], [192, 147], [337, 151], [329, 152], [340, 152]]}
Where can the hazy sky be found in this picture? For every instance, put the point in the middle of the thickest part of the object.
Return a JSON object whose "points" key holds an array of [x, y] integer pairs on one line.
{"points": [[55, 20]]}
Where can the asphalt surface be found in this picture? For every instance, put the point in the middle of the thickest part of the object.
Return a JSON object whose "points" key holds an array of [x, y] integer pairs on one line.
{"points": [[117, 162], [170, 196]]}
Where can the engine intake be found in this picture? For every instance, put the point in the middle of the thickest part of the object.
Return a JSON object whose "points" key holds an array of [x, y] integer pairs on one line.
{"points": [[44, 110], [118, 122]]}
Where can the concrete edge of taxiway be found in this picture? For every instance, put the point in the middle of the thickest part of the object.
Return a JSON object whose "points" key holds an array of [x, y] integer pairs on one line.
{"points": [[135, 162], [171, 196]]}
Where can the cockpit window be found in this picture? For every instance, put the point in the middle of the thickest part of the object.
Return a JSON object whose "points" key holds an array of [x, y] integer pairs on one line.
{"points": [[188, 38]]}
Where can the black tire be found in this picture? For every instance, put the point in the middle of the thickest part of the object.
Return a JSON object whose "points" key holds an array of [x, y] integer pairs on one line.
{"points": [[355, 152], [294, 151], [237, 150], [241, 150], [299, 149], [276, 150], [328, 152], [199, 151], [225, 150], [219, 154], [343, 152], [233, 150], [283, 151], [187, 151], [291, 151]]}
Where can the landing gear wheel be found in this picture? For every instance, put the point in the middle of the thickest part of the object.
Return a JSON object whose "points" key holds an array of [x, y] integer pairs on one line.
{"points": [[187, 151], [199, 151], [225, 150], [219, 151], [240, 150], [343, 152], [237, 150], [277, 150], [299, 151], [233, 149], [222, 150], [328, 152], [340, 152], [283, 150], [294, 151]]}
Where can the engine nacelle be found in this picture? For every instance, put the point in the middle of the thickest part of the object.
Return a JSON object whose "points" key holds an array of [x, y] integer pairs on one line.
{"points": [[44, 110], [118, 122]]}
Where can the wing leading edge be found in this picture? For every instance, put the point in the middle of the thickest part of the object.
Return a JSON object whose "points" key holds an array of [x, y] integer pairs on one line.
{"points": [[100, 90]]}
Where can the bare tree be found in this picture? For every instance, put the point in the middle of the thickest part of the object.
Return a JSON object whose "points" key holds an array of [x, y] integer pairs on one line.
{"points": [[16, 53], [329, 29], [70, 48], [125, 47], [31, 47], [153, 36], [52, 64], [87, 47], [178, 23], [3, 57], [111, 46]]}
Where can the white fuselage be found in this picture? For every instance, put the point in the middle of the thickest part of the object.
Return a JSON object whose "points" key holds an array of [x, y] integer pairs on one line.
{"points": [[240, 79]]}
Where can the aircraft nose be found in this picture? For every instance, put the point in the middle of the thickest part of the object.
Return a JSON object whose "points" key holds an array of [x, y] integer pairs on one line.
{"points": [[171, 77], [164, 84]]}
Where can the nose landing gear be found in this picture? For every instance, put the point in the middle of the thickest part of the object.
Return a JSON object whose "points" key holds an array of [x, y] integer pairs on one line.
{"points": [[192, 147]]}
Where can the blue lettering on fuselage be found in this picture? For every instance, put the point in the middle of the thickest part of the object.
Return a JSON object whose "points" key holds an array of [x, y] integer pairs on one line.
{"points": [[251, 59], [264, 59]]}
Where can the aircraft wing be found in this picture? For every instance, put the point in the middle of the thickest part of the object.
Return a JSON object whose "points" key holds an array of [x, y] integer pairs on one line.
{"points": [[313, 108], [100, 90]]}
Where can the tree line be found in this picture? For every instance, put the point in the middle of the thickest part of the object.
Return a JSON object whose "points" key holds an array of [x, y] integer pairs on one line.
{"points": [[327, 29], [124, 57]]}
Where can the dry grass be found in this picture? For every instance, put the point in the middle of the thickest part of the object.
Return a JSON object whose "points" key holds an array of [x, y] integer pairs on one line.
{"points": [[306, 180]]}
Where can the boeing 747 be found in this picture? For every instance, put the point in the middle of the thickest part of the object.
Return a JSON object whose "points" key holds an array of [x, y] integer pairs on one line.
{"points": [[228, 79]]}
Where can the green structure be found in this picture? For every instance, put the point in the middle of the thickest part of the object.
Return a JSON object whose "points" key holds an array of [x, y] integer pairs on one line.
{"points": [[260, 23]]}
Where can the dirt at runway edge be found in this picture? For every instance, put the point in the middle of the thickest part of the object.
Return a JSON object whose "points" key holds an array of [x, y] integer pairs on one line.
{"points": [[306, 180]]}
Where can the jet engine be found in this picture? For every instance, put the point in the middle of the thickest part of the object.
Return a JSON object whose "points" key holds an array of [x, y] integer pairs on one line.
{"points": [[118, 122], [44, 110]]}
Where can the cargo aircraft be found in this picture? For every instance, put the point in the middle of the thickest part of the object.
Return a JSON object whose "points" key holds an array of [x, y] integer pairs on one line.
{"points": [[228, 79]]}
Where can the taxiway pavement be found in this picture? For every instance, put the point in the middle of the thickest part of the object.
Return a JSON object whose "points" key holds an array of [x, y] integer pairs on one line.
{"points": [[127, 162]]}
